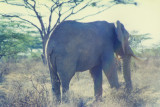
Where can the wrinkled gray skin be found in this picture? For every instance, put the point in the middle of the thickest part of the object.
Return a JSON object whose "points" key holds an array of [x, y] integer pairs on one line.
{"points": [[76, 47]]}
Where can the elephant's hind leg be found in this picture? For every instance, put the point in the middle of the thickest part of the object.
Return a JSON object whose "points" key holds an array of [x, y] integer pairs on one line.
{"points": [[96, 73], [66, 70], [55, 85]]}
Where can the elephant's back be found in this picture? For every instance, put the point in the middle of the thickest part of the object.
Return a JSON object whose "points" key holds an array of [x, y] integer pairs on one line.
{"points": [[77, 31], [70, 30], [72, 36]]}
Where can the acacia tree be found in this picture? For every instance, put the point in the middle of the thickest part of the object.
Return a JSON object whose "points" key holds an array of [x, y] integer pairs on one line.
{"points": [[13, 41], [136, 40], [59, 11]]}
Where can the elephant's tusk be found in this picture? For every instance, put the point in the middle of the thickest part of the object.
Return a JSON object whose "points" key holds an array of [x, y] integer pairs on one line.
{"points": [[133, 55], [118, 57], [139, 59]]}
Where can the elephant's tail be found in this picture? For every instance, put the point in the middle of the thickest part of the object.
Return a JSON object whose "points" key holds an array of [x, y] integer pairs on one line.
{"points": [[52, 64], [51, 61], [49, 50], [46, 50]]}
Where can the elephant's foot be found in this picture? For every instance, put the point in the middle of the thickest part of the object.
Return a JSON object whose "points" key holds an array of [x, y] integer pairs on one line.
{"points": [[56, 98], [128, 87], [65, 98], [99, 98], [114, 84]]}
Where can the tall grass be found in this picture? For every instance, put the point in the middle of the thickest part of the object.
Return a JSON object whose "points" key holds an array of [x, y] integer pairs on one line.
{"points": [[27, 84]]}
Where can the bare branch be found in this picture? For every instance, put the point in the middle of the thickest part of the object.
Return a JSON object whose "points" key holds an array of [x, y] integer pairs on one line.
{"points": [[63, 3], [69, 10], [68, 16], [35, 87], [87, 4], [82, 7], [58, 20], [45, 6], [71, 13], [95, 13], [50, 20], [37, 14], [50, 17], [72, 8]]}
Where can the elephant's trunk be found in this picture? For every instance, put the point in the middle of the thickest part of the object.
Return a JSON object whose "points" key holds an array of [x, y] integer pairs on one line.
{"points": [[127, 71], [126, 67]]}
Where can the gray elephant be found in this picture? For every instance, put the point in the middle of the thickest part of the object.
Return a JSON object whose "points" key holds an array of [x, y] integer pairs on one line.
{"points": [[76, 47]]}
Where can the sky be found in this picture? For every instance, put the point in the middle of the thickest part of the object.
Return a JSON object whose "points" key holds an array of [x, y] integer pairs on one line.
{"points": [[144, 18]]}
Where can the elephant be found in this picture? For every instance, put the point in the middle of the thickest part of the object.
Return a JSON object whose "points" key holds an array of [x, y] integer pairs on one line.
{"points": [[76, 47]]}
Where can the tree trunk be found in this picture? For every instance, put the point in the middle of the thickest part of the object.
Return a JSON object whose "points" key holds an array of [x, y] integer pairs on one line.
{"points": [[43, 54]]}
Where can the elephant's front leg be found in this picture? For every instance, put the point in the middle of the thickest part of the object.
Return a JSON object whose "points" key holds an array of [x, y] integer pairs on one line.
{"points": [[96, 73], [109, 67]]}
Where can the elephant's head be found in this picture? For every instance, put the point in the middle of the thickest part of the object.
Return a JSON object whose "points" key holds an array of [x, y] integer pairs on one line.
{"points": [[123, 49]]}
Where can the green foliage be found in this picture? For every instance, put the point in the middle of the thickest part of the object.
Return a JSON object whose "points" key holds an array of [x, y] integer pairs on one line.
{"points": [[13, 40], [125, 2], [33, 42], [136, 40], [94, 4]]}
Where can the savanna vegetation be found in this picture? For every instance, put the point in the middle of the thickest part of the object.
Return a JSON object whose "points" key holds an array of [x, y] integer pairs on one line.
{"points": [[25, 80]]}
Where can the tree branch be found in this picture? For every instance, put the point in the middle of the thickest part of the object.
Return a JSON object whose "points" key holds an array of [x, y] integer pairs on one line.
{"points": [[71, 13], [58, 20], [95, 13], [83, 7], [50, 17], [37, 14]]}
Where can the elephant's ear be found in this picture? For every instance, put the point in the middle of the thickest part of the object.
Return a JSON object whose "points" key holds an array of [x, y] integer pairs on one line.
{"points": [[122, 34]]}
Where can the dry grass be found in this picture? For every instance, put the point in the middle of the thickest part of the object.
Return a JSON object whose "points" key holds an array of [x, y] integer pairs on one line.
{"points": [[27, 84]]}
